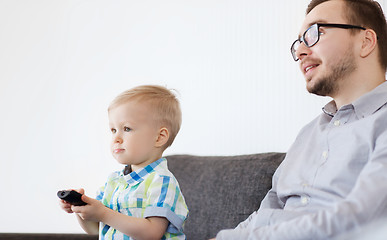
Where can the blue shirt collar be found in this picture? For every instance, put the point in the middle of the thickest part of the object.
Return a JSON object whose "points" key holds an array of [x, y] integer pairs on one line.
{"points": [[139, 175]]}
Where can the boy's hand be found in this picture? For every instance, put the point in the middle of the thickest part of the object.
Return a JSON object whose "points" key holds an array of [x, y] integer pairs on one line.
{"points": [[67, 206], [93, 211]]}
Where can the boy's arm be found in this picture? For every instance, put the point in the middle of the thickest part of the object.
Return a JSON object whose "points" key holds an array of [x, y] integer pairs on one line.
{"points": [[90, 227], [138, 228]]}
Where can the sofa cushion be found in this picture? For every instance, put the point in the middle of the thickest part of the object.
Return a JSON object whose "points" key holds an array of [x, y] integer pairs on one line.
{"points": [[222, 191]]}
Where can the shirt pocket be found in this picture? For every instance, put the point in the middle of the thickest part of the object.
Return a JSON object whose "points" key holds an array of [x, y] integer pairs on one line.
{"points": [[132, 204]]}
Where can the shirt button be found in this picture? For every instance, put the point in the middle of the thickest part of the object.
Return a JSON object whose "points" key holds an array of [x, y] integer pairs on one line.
{"points": [[337, 123], [304, 200], [325, 154]]}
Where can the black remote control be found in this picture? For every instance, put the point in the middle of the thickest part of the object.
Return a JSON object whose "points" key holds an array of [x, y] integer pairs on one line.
{"points": [[72, 197]]}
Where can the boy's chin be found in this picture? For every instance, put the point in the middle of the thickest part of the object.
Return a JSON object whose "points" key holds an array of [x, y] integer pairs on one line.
{"points": [[123, 161]]}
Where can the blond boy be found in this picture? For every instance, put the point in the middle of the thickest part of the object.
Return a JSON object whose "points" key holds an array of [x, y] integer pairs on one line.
{"points": [[144, 200]]}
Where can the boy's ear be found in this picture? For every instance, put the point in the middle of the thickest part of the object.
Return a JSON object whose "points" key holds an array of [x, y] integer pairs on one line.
{"points": [[162, 137]]}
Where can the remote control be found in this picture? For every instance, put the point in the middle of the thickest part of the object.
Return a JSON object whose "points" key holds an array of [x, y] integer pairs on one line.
{"points": [[72, 197]]}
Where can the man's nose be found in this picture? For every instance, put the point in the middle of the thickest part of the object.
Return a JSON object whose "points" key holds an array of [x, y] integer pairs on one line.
{"points": [[302, 51]]}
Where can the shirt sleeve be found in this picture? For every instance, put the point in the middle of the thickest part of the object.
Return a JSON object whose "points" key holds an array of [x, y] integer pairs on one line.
{"points": [[164, 199], [100, 193], [366, 202]]}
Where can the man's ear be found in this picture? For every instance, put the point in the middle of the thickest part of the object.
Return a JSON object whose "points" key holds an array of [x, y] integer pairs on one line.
{"points": [[162, 137], [370, 40]]}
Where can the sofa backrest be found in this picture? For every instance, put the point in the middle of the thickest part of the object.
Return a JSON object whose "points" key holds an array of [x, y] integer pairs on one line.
{"points": [[222, 191]]}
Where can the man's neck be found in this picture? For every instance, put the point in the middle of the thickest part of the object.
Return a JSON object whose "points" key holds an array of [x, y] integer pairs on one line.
{"points": [[356, 86]]}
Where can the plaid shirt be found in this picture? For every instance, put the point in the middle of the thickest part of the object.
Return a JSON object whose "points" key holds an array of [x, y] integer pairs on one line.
{"points": [[152, 191]]}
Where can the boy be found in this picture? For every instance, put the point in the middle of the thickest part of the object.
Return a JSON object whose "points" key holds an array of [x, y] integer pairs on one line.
{"points": [[144, 200]]}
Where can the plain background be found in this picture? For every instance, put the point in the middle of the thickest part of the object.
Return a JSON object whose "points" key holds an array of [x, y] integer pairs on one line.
{"points": [[62, 62]]}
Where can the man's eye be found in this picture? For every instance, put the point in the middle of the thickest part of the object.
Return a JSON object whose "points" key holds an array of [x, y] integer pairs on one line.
{"points": [[321, 31], [126, 129], [113, 130]]}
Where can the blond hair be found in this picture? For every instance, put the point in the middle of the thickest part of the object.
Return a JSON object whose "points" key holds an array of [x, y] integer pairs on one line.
{"points": [[164, 104]]}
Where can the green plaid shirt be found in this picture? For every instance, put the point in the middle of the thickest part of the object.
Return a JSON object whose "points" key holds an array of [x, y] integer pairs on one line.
{"points": [[152, 191]]}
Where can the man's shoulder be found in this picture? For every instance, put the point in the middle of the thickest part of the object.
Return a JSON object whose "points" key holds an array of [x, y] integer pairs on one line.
{"points": [[319, 120]]}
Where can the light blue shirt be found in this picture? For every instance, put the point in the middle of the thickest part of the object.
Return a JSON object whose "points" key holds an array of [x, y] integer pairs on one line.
{"points": [[333, 178]]}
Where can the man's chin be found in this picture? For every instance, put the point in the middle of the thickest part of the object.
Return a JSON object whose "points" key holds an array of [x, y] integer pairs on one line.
{"points": [[315, 87], [310, 86], [319, 91]]}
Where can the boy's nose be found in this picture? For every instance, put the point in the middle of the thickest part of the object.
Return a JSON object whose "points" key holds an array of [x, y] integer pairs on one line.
{"points": [[118, 139]]}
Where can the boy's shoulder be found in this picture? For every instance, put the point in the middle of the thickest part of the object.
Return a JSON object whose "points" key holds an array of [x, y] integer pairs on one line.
{"points": [[162, 171], [161, 176], [151, 173], [114, 175]]}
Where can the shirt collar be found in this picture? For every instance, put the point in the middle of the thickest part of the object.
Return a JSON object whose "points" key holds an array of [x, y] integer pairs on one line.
{"points": [[139, 175], [372, 101], [330, 108], [365, 105]]}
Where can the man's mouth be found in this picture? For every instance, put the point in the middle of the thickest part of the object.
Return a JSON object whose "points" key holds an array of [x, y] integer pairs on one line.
{"points": [[308, 68]]}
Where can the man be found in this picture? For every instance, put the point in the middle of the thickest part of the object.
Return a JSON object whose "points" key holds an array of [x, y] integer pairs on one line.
{"points": [[334, 176]]}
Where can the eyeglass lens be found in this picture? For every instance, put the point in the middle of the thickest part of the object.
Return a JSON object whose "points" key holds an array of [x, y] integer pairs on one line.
{"points": [[310, 37]]}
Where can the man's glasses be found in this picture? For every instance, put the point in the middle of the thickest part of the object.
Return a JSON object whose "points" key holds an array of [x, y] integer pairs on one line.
{"points": [[312, 35]]}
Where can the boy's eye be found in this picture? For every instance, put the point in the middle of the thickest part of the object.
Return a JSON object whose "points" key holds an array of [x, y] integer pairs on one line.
{"points": [[113, 130], [126, 129]]}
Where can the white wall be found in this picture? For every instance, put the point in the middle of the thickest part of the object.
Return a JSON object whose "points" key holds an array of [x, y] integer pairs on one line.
{"points": [[62, 62]]}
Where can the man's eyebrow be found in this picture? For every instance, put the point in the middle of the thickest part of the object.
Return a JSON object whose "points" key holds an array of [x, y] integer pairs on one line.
{"points": [[320, 21], [310, 24]]}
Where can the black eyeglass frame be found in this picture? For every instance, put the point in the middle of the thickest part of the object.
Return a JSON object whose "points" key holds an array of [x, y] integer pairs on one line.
{"points": [[302, 38]]}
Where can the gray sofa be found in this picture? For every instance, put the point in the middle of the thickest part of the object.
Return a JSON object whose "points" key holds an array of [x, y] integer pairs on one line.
{"points": [[220, 192]]}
